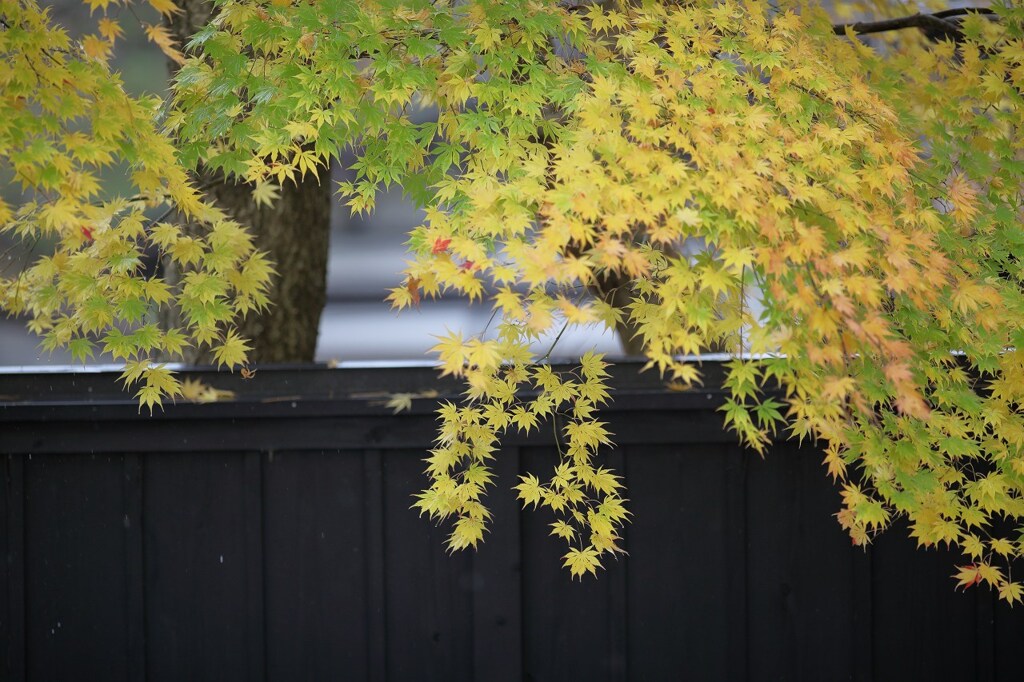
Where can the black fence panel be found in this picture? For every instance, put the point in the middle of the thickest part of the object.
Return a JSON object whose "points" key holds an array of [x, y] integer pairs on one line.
{"points": [[270, 537]]}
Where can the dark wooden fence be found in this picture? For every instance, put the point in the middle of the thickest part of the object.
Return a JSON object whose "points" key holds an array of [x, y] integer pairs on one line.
{"points": [[270, 537]]}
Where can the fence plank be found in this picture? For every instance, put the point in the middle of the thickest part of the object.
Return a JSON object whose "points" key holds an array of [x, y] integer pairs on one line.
{"points": [[134, 566], [13, 569], [198, 565], [920, 633], [679, 553], [799, 570], [75, 568], [736, 601], [373, 530], [315, 578], [618, 590], [497, 572], [1007, 636], [984, 636], [252, 538], [428, 592], [566, 622], [863, 616]]}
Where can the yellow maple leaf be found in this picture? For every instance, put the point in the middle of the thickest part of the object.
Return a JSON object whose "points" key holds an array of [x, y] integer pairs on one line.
{"points": [[110, 29], [1011, 592], [990, 574], [582, 561], [97, 4], [468, 532], [530, 490], [161, 37], [97, 47], [165, 7], [232, 351], [452, 353], [964, 197], [563, 530], [265, 194], [196, 391]]}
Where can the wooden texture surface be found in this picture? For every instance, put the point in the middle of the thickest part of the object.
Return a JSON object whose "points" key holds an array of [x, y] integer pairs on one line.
{"points": [[271, 538]]}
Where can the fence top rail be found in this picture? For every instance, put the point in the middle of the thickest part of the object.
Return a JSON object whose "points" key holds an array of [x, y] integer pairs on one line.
{"points": [[97, 394]]}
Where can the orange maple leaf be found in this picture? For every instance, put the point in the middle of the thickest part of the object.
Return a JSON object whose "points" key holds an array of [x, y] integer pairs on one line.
{"points": [[413, 287]]}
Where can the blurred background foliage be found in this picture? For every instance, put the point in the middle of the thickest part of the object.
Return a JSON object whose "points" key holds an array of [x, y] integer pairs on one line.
{"points": [[367, 252]]}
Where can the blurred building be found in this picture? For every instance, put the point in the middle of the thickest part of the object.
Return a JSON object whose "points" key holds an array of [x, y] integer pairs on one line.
{"points": [[367, 258]]}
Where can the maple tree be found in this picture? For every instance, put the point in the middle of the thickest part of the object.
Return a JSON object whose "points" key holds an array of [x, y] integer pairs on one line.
{"points": [[833, 199]]}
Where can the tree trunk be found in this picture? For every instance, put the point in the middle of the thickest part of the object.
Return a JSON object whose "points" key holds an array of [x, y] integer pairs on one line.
{"points": [[295, 232]]}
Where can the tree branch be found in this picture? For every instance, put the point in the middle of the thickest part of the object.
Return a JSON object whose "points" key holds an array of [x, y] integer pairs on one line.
{"points": [[961, 11], [934, 25]]}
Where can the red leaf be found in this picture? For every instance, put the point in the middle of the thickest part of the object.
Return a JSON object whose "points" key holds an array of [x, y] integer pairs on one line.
{"points": [[87, 232], [440, 246], [468, 265]]}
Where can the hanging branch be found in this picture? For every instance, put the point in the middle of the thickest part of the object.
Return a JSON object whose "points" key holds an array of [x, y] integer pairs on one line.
{"points": [[934, 25]]}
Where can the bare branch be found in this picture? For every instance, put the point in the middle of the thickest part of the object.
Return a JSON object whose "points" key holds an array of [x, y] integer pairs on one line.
{"points": [[936, 25]]}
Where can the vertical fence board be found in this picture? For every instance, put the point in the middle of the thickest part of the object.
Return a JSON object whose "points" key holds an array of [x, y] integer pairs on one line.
{"points": [[134, 567], [920, 633], [985, 638], [618, 591], [863, 616], [198, 564], [315, 578], [825, 582], [497, 572], [75, 568], [566, 622], [736, 601], [773, 506], [1008, 632], [255, 560], [374, 566], [429, 592], [800, 570], [678, 551], [13, 569]]}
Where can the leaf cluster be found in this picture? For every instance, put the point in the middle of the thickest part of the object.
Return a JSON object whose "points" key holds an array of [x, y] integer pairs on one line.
{"points": [[66, 120]]}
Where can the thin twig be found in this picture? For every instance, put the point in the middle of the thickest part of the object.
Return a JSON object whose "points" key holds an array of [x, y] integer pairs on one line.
{"points": [[547, 356]]}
